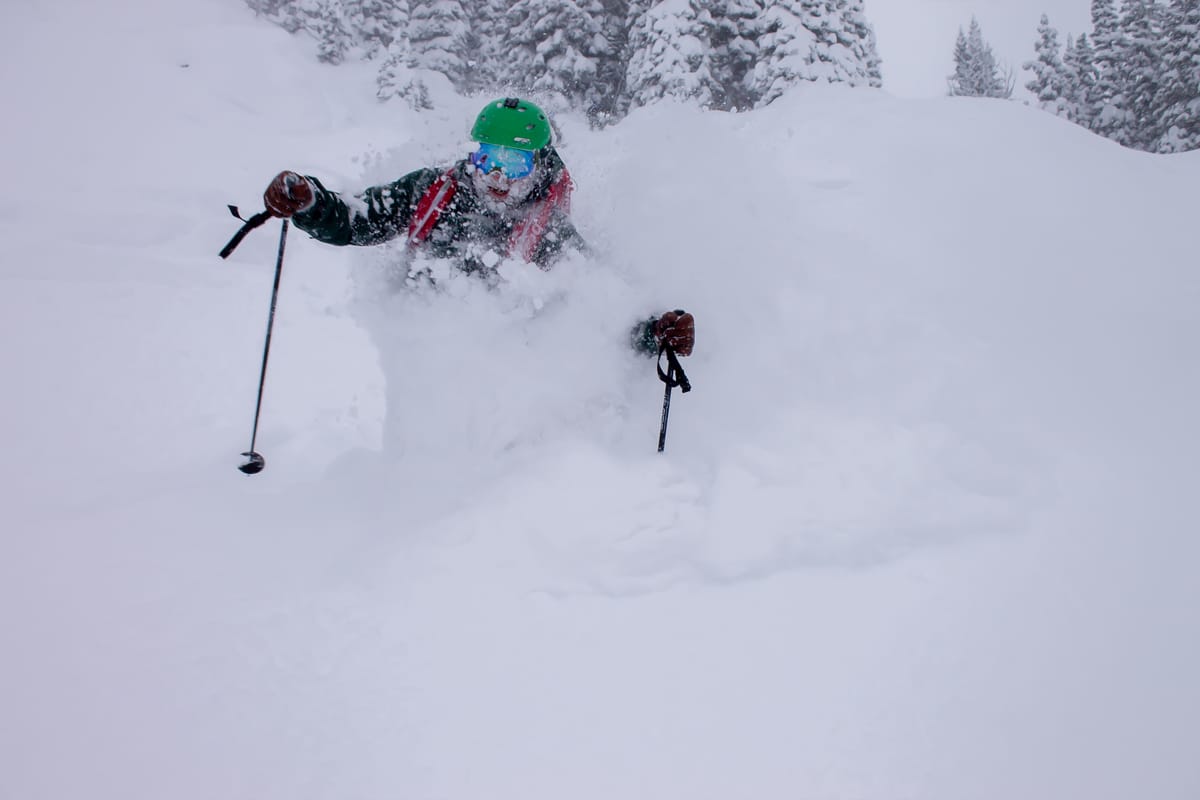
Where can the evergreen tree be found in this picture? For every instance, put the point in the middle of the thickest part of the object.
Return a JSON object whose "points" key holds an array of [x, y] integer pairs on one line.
{"points": [[1050, 82], [960, 81], [700, 49], [326, 22], [1136, 81], [396, 79], [976, 71], [1079, 62], [554, 47], [821, 18], [786, 48], [610, 69], [1070, 77], [1138, 74], [1179, 93], [861, 43], [440, 38], [376, 24], [842, 41], [732, 32], [809, 40], [1107, 111], [669, 55], [487, 60], [602, 56]]}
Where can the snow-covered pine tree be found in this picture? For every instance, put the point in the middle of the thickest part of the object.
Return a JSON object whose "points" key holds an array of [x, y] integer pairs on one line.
{"points": [[1049, 81], [1179, 92], [554, 48], [808, 40], [1079, 79], [396, 77], [439, 36], [960, 82], [785, 50], [601, 56], [732, 30], [489, 29], [1140, 86], [706, 50], [376, 24], [610, 68], [976, 71], [1070, 76], [1107, 105], [1137, 74], [668, 54], [860, 40], [326, 21], [843, 50], [821, 17], [393, 74]]}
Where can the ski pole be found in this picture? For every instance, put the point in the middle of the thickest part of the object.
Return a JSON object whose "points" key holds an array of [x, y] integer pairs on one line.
{"points": [[256, 462], [672, 377]]}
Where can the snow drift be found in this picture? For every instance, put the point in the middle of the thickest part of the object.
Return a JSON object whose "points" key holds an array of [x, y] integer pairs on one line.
{"points": [[923, 529]]}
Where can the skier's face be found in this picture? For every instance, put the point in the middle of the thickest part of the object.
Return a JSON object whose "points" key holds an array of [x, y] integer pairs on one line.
{"points": [[500, 192], [503, 176]]}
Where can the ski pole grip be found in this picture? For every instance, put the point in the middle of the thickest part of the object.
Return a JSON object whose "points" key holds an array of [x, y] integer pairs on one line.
{"points": [[252, 223]]}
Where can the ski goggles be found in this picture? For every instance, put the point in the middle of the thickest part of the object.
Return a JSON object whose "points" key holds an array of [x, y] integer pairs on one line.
{"points": [[512, 162]]}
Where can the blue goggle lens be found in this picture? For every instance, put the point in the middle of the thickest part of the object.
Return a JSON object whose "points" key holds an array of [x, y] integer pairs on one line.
{"points": [[512, 162]]}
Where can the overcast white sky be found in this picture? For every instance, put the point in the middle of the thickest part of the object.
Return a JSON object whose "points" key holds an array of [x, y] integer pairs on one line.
{"points": [[916, 37]]}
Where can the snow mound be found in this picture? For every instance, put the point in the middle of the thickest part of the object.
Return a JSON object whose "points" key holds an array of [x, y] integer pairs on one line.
{"points": [[924, 528]]}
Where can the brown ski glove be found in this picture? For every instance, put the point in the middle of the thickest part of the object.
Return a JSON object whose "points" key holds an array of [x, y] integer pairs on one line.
{"points": [[289, 193], [677, 330]]}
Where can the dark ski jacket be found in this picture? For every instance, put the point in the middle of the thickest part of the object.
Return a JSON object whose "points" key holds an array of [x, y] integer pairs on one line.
{"points": [[538, 229]]}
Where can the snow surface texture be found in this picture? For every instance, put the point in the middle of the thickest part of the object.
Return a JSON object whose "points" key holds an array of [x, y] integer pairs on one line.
{"points": [[926, 527]]}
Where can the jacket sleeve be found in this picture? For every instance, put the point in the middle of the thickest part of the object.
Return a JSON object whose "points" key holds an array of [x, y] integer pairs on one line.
{"points": [[641, 337], [376, 215]]}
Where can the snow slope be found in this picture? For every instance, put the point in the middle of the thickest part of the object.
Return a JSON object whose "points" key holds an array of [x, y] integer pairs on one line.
{"points": [[924, 529]]}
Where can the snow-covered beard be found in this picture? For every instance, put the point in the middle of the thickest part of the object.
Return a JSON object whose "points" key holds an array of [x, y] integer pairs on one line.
{"points": [[499, 193]]}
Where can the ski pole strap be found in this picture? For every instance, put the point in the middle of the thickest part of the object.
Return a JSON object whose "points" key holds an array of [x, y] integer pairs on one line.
{"points": [[674, 375], [251, 224]]}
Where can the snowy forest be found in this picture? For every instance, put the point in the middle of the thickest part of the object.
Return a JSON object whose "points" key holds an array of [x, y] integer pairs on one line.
{"points": [[1134, 79], [599, 56]]}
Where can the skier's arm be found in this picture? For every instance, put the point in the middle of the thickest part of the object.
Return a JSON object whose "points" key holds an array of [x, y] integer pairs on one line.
{"points": [[376, 215], [641, 337]]}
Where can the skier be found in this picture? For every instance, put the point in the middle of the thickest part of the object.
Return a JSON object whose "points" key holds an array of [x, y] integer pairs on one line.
{"points": [[511, 196]]}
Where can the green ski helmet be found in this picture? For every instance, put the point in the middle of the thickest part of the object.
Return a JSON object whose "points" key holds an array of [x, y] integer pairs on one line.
{"points": [[512, 122]]}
